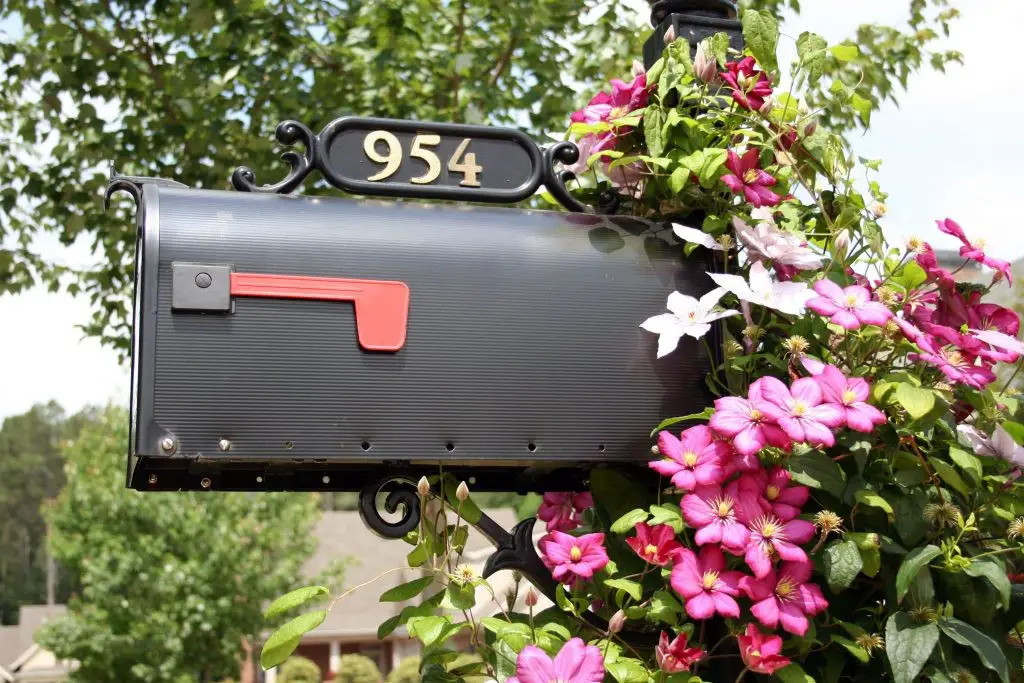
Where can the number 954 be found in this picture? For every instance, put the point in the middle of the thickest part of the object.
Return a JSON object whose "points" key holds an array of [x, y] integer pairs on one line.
{"points": [[460, 162]]}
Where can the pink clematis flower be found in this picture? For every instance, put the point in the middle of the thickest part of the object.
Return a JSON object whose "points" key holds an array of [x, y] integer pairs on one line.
{"points": [[656, 544], [774, 494], [800, 412], [713, 512], [760, 654], [562, 511], [749, 422], [850, 307], [936, 273], [674, 657], [749, 180], [750, 88], [976, 251], [771, 538], [695, 459], [572, 559], [576, 662], [624, 98], [705, 583], [955, 365], [786, 597], [850, 394]]}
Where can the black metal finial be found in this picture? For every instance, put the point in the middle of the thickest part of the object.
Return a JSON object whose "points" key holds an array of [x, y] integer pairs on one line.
{"points": [[725, 9], [691, 20]]}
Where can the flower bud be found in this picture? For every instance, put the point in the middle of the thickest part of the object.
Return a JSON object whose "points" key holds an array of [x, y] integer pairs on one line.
{"points": [[638, 68], [655, 450], [462, 492], [705, 66], [811, 128], [841, 243], [617, 621], [423, 487], [670, 35], [532, 598], [767, 107], [878, 209]]}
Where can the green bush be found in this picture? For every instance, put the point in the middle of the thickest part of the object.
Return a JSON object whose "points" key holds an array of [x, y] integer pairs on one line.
{"points": [[299, 670], [358, 669], [408, 671]]}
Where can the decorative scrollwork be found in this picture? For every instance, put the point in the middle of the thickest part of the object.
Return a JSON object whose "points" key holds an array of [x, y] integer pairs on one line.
{"points": [[516, 551], [401, 493], [565, 153], [132, 184], [287, 133]]}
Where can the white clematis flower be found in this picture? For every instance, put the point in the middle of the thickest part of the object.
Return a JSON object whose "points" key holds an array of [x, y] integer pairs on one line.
{"points": [[1001, 445], [688, 317], [765, 241], [696, 237], [1000, 340], [785, 297]]}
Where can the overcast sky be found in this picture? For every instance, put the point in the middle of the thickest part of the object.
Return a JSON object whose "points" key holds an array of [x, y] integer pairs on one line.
{"points": [[953, 148]]}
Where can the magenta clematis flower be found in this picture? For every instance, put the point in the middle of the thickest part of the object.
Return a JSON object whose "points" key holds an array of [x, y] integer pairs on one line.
{"points": [[975, 251], [749, 180], [562, 511], [850, 307], [800, 412], [750, 88], [656, 544], [572, 558], [771, 538], [705, 583], [954, 364], [774, 494], [624, 98], [674, 657], [695, 459], [576, 662], [713, 512], [936, 273], [850, 395], [760, 654], [749, 422], [785, 597]]}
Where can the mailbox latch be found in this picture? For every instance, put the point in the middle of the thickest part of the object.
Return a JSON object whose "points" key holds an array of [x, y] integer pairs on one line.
{"points": [[200, 287]]}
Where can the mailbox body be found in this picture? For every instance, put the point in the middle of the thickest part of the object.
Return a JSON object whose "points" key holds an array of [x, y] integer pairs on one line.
{"points": [[522, 353]]}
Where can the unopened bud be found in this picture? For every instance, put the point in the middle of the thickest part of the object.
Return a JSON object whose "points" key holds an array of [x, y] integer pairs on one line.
{"points": [[878, 209], [655, 450], [638, 68], [705, 66], [423, 487], [670, 35], [462, 492], [841, 243], [532, 598], [617, 621], [767, 107], [811, 128]]}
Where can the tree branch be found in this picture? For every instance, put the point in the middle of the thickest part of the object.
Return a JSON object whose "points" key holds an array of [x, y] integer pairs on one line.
{"points": [[504, 60], [460, 34]]}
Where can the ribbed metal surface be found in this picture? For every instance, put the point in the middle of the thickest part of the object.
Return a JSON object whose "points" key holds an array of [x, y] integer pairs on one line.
{"points": [[523, 341]]}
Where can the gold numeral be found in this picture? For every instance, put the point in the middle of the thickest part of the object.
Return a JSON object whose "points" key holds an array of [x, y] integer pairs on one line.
{"points": [[427, 156], [392, 159], [467, 167], [461, 161]]}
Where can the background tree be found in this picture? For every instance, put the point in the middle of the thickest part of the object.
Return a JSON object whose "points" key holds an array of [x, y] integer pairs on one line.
{"points": [[171, 583], [190, 89]]}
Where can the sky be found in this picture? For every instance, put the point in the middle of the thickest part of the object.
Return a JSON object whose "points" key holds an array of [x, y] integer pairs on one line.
{"points": [[945, 155]]}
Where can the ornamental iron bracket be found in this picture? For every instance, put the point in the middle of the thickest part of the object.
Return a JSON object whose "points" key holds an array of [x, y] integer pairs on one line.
{"points": [[132, 184]]}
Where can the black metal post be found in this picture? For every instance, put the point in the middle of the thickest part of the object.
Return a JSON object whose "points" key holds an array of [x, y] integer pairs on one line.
{"points": [[692, 20]]}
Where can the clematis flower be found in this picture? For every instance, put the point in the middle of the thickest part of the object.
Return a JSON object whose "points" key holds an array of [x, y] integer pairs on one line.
{"points": [[573, 558], [674, 657], [927, 259], [576, 662], [955, 365], [850, 307], [800, 412], [750, 88], [1000, 341], [785, 597], [688, 317], [975, 251], [749, 422], [765, 241], [760, 653], [695, 236], [1001, 445], [749, 180], [713, 512], [850, 394], [705, 583], [695, 459], [655, 544], [624, 98], [562, 511], [786, 297], [777, 495], [771, 538]]}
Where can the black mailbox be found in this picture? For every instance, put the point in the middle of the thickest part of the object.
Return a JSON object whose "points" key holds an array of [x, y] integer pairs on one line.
{"points": [[294, 343]]}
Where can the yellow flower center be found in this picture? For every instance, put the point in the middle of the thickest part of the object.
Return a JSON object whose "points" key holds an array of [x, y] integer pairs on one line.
{"points": [[651, 550], [724, 507], [980, 244], [799, 408], [785, 588], [689, 458], [575, 553], [772, 492], [616, 112], [954, 358], [849, 397], [852, 300], [710, 579], [768, 529], [756, 415], [750, 177]]}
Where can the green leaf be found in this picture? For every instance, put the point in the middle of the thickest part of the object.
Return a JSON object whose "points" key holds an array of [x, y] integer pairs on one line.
{"points": [[664, 607], [703, 415], [794, 673], [407, 591], [434, 630], [504, 660], [845, 53], [872, 559], [910, 524], [627, 670], [626, 522], [667, 514], [908, 645], [842, 564], [719, 44], [916, 560], [653, 122], [869, 497], [916, 401], [1015, 430], [711, 171], [761, 35], [289, 601], [949, 475], [987, 649], [853, 648], [459, 597], [863, 107], [677, 181], [811, 49], [632, 588], [815, 469], [283, 641], [418, 556], [968, 462], [996, 575]]}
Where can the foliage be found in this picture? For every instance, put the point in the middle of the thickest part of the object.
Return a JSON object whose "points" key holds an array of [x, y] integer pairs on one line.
{"points": [[357, 669], [299, 670], [171, 584], [407, 671]]}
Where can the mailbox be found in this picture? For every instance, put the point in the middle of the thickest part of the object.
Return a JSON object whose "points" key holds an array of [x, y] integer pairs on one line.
{"points": [[293, 342]]}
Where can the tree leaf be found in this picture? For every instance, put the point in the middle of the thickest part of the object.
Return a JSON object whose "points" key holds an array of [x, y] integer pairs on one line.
{"points": [[627, 670], [761, 35], [632, 588], [908, 645], [916, 560], [842, 564], [996, 575], [283, 641], [910, 524], [988, 650], [289, 601], [918, 402], [628, 521], [949, 475], [810, 47], [407, 591], [845, 53], [863, 107], [433, 630], [815, 469], [677, 181], [667, 514]]}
